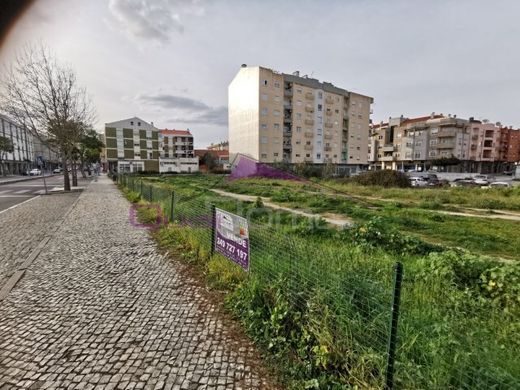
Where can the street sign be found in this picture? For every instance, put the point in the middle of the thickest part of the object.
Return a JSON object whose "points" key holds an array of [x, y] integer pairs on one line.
{"points": [[232, 237]]}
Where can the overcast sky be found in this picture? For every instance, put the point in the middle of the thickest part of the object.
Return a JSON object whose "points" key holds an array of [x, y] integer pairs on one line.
{"points": [[170, 61]]}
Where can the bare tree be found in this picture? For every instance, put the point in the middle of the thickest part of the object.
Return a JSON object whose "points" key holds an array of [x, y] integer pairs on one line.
{"points": [[6, 146], [44, 96]]}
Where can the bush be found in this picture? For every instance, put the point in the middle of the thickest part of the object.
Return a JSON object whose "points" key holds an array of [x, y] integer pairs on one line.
{"points": [[383, 178]]}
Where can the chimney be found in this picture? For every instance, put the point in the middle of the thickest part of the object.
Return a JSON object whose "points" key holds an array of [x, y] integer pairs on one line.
{"points": [[244, 66], [455, 116], [432, 115], [296, 73], [471, 119]]}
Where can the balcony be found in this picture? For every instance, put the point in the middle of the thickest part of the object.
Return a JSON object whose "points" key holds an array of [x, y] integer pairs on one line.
{"points": [[288, 92], [446, 133], [307, 147], [309, 96], [388, 148], [474, 138], [329, 100], [329, 124], [287, 104], [287, 146], [309, 134], [386, 158], [287, 118], [445, 145], [309, 122], [309, 108]]}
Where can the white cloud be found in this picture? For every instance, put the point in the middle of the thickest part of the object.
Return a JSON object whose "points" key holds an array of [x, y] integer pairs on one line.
{"points": [[153, 20]]}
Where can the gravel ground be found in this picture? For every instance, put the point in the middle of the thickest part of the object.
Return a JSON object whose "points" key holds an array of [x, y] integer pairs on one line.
{"points": [[102, 308]]}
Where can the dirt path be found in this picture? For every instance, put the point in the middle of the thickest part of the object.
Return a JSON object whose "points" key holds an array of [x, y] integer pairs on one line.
{"points": [[333, 219]]}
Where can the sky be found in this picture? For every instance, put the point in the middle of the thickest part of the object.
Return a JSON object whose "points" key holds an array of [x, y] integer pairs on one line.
{"points": [[170, 61]]}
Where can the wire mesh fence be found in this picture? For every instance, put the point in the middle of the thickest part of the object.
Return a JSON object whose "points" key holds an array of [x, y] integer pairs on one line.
{"points": [[335, 305]]}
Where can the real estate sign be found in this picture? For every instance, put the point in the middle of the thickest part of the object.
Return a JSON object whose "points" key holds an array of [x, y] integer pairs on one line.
{"points": [[232, 237]]}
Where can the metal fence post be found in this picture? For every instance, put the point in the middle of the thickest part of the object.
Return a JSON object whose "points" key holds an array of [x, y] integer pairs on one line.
{"points": [[392, 339], [171, 205], [151, 193], [141, 191], [213, 226]]}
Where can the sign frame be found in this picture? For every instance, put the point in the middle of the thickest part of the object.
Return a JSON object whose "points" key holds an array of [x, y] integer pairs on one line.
{"points": [[231, 237]]}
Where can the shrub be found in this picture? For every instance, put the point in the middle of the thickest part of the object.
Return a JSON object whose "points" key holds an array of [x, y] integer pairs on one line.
{"points": [[383, 178]]}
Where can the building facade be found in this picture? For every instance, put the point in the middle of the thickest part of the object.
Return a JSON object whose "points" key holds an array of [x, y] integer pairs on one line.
{"points": [[132, 145], [275, 117], [438, 140], [22, 157], [176, 152]]}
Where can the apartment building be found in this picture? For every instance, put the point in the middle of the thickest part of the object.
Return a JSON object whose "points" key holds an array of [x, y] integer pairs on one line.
{"points": [[21, 158], [276, 117], [132, 145], [419, 143], [176, 152]]}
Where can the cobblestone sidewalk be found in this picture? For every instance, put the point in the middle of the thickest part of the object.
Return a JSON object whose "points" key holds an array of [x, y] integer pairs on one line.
{"points": [[101, 308]]}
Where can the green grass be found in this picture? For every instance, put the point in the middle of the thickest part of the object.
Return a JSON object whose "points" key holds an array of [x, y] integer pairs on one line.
{"points": [[317, 300]]}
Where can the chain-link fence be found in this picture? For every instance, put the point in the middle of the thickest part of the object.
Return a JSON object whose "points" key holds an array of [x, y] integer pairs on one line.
{"points": [[335, 306]]}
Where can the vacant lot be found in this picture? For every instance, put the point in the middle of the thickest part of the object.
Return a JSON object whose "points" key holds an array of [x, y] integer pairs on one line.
{"points": [[317, 298]]}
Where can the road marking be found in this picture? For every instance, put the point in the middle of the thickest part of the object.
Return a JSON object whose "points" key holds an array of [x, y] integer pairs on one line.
{"points": [[19, 204], [3, 192], [16, 196], [21, 192]]}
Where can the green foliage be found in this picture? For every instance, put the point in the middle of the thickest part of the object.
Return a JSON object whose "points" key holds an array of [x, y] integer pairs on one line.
{"points": [[501, 284], [383, 178], [376, 233], [147, 215]]}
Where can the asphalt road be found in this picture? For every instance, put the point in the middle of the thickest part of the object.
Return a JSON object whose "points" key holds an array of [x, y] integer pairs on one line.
{"points": [[12, 194]]}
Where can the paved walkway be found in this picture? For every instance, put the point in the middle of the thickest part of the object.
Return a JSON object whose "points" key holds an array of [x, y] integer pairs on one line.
{"points": [[101, 308]]}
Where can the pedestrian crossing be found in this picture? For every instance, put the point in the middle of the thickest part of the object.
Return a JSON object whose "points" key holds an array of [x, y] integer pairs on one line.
{"points": [[17, 193]]}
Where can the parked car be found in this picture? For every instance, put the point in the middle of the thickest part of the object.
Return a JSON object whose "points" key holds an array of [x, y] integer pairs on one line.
{"points": [[418, 181], [35, 172], [500, 184], [463, 182], [483, 180], [58, 170]]}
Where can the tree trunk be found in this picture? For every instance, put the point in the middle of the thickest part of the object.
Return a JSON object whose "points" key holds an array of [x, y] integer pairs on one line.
{"points": [[66, 179], [74, 175], [82, 165]]}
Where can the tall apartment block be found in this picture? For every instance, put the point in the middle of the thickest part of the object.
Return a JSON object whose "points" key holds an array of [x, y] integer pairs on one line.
{"points": [[419, 143], [132, 145], [275, 117]]}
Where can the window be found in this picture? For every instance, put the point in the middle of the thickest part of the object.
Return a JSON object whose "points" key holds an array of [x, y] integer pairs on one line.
{"points": [[264, 155], [320, 119], [297, 155], [318, 156], [418, 143], [277, 85], [298, 142], [307, 155], [298, 129], [264, 111], [138, 123], [131, 123], [298, 102], [276, 113], [263, 140], [299, 90], [358, 148], [263, 126], [319, 131], [308, 142], [320, 95], [336, 111], [417, 155], [319, 144], [276, 126], [264, 96], [320, 107], [277, 98], [275, 154], [276, 140], [298, 115], [265, 83]]}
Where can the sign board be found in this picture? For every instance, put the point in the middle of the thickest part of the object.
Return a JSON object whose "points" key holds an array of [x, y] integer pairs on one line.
{"points": [[232, 237], [40, 161]]}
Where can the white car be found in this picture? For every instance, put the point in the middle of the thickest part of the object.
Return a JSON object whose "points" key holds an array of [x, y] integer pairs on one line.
{"points": [[500, 184], [35, 172], [418, 181], [58, 170]]}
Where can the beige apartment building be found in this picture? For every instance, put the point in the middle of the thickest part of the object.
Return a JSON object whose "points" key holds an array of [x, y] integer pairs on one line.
{"points": [[419, 143], [275, 117]]}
